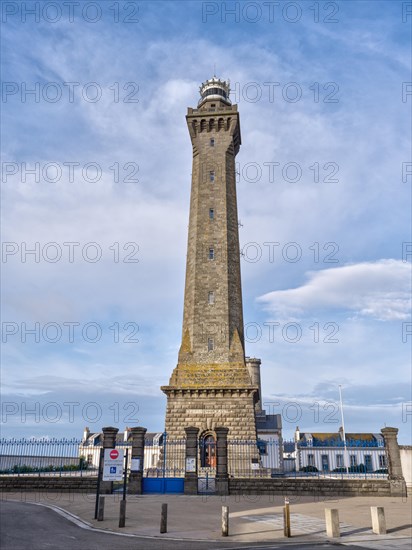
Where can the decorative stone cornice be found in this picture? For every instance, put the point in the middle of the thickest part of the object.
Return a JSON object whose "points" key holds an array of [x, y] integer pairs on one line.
{"points": [[174, 391], [213, 375]]}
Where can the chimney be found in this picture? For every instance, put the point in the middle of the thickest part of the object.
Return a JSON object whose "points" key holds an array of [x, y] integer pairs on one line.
{"points": [[253, 367], [86, 433]]}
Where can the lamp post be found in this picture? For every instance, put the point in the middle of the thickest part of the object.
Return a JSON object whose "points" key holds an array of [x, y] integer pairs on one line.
{"points": [[346, 465]]}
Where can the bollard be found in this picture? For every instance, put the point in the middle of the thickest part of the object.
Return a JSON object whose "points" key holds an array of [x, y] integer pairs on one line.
{"points": [[378, 520], [100, 511], [286, 519], [122, 515], [225, 521], [163, 519], [332, 522]]}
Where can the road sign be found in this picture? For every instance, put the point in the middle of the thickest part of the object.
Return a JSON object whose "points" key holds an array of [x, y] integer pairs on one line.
{"points": [[113, 464]]}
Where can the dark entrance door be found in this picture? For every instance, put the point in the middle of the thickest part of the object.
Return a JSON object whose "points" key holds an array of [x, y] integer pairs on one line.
{"points": [[208, 449]]}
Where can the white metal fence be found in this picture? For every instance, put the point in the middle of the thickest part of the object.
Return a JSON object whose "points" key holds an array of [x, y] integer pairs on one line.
{"points": [[47, 457], [166, 458]]}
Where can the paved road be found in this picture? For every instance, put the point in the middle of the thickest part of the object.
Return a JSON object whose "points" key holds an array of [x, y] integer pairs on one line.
{"points": [[31, 527]]}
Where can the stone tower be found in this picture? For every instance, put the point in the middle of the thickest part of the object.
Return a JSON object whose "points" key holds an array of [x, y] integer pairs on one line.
{"points": [[211, 385]]}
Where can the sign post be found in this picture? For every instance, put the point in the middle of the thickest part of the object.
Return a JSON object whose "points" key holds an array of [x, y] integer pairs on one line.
{"points": [[99, 475], [122, 516], [125, 475]]}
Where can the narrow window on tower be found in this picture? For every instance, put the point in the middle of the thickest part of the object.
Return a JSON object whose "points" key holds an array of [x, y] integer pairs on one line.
{"points": [[212, 175], [212, 142], [210, 344], [211, 253], [211, 297], [211, 214]]}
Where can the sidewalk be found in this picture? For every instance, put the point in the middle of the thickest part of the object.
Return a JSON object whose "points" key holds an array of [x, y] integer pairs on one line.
{"points": [[251, 519]]}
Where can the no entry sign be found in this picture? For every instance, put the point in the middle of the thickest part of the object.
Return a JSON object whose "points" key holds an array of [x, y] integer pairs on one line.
{"points": [[113, 465]]}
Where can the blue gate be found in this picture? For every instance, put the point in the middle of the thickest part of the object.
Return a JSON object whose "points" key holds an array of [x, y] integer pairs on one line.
{"points": [[164, 465], [153, 485]]}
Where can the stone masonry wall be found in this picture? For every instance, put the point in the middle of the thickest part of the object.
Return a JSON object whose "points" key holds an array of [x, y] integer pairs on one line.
{"points": [[221, 275], [312, 487], [45, 484], [207, 410], [274, 486]]}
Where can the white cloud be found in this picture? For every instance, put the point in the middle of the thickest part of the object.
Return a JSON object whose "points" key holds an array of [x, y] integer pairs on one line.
{"points": [[379, 290]]}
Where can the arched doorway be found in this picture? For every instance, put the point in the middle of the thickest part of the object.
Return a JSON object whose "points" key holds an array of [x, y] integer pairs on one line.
{"points": [[208, 451]]}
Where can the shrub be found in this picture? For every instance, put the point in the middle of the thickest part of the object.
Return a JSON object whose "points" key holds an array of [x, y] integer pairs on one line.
{"points": [[309, 469]]}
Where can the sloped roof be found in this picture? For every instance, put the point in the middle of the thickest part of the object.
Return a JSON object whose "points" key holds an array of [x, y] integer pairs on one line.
{"points": [[334, 439], [268, 422], [288, 446]]}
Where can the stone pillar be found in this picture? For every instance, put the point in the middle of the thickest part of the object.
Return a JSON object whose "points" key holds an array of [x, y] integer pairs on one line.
{"points": [[191, 460], [136, 470], [109, 442], [222, 477], [393, 456]]}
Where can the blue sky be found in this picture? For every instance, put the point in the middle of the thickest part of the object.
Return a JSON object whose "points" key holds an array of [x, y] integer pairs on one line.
{"points": [[324, 209]]}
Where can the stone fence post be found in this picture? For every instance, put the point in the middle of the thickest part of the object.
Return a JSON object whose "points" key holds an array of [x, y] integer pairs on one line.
{"points": [[191, 460], [222, 477], [137, 461], [395, 475], [109, 442]]}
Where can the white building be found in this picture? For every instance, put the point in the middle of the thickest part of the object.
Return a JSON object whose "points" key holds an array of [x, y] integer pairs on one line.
{"points": [[270, 444], [92, 443], [330, 452]]}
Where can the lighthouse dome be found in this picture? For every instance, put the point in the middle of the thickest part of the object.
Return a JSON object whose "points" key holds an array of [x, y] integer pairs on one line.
{"points": [[214, 89]]}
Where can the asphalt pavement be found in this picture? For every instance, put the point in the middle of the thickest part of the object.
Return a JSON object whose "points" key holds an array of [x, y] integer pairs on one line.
{"points": [[27, 526], [39, 520]]}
